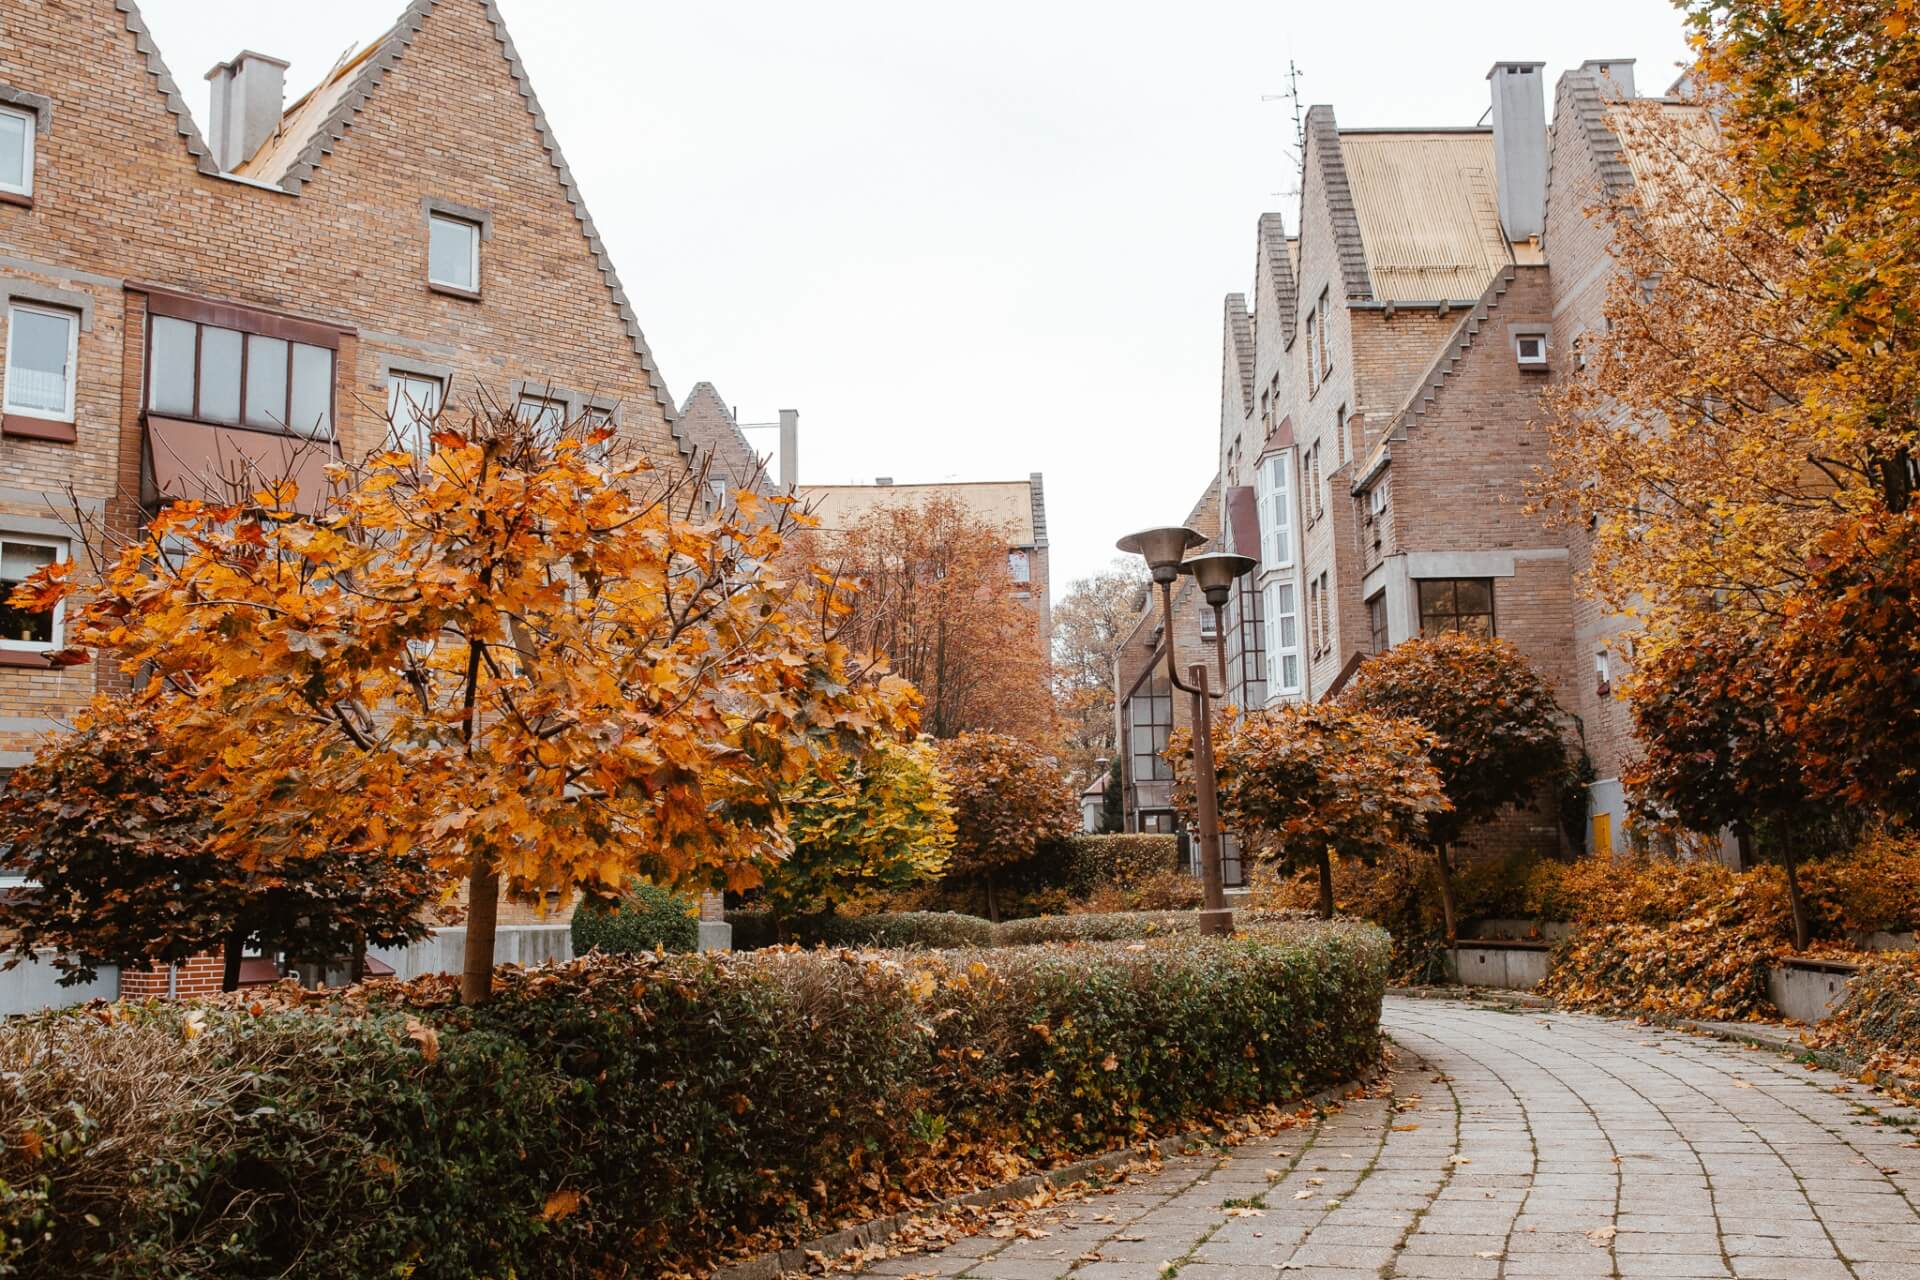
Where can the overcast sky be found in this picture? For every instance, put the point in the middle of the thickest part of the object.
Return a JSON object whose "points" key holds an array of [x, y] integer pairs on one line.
{"points": [[965, 241]]}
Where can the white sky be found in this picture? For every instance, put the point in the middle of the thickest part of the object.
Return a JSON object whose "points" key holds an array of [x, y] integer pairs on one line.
{"points": [[965, 241]]}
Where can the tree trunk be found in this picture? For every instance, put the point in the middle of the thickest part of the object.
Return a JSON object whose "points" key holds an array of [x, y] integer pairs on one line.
{"points": [[1802, 930], [1445, 869], [230, 969], [483, 910], [1326, 885], [993, 904], [357, 962]]}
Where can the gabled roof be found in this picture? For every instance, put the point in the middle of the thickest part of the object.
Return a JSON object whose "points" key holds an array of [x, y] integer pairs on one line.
{"points": [[714, 439], [1239, 348], [1276, 261], [317, 121]]}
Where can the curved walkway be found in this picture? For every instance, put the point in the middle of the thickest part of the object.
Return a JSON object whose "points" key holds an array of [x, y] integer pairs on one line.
{"points": [[1528, 1146]]}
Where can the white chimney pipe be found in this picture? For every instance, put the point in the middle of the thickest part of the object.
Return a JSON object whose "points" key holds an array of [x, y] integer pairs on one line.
{"points": [[1520, 146], [249, 95], [789, 449]]}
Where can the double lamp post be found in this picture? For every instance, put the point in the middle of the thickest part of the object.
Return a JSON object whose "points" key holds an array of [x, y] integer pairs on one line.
{"points": [[1165, 551]]}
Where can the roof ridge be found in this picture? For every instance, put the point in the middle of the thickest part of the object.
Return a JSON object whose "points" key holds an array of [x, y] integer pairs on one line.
{"points": [[1240, 334], [371, 70], [163, 80], [1459, 342], [1324, 135]]}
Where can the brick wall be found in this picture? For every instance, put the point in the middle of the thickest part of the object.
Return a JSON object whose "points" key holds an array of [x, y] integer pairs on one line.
{"points": [[119, 201]]}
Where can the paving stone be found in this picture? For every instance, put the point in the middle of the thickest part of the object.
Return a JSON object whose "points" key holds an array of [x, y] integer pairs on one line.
{"points": [[1550, 1147]]}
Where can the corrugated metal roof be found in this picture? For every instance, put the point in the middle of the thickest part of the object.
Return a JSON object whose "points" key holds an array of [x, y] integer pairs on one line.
{"points": [[1428, 217]]}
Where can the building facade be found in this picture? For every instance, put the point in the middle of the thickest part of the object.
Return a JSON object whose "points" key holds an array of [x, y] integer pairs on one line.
{"points": [[1380, 403], [1017, 506], [290, 285]]}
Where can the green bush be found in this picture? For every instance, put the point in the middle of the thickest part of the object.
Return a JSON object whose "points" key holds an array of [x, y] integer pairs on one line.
{"points": [[642, 918], [921, 929], [634, 1115], [1095, 927]]}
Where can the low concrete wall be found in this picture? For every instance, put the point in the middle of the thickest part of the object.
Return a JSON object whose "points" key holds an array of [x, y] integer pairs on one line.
{"points": [[1510, 966], [444, 949], [33, 985], [1889, 942], [1519, 930], [1808, 991]]}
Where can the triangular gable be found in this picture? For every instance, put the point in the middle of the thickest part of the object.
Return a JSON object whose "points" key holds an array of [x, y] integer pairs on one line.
{"points": [[1238, 341], [1275, 271], [707, 426], [1323, 142], [163, 81]]}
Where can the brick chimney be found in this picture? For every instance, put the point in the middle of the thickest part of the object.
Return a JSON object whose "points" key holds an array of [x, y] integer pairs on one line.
{"points": [[249, 94], [1520, 146]]}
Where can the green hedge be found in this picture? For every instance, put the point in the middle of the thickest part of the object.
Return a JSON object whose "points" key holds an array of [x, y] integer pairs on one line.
{"points": [[638, 920], [1095, 927], [632, 1115], [1120, 859]]}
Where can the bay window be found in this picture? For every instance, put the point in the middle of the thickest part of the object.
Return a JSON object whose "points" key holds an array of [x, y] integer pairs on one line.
{"points": [[1283, 638], [230, 367], [1273, 488]]}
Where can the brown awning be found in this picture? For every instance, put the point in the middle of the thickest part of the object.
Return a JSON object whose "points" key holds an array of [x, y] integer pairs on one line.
{"points": [[1243, 521], [201, 462]]}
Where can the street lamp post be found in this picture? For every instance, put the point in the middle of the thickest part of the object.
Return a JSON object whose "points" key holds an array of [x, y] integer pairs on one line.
{"points": [[1164, 551]]}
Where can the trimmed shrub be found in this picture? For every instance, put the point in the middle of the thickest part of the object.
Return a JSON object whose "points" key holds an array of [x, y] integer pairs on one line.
{"points": [[1093, 861], [932, 930], [1094, 927], [642, 918], [636, 1114]]}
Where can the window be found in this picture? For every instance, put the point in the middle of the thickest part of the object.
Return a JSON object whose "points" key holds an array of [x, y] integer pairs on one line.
{"points": [[1313, 377], [1323, 307], [1157, 822], [1283, 637], [224, 375], [20, 558], [1319, 614], [1602, 672], [1531, 348], [42, 344], [1313, 483], [1456, 604], [1340, 433], [1209, 625], [1246, 646], [1377, 621], [545, 414], [16, 150], [1377, 511], [1273, 490], [413, 402], [1149, 721], [1019, 566], [453, 253]]}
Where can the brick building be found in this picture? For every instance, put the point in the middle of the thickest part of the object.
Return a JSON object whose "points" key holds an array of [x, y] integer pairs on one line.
{"points": [[405, 236], [1379, 404], [1018, 506]]}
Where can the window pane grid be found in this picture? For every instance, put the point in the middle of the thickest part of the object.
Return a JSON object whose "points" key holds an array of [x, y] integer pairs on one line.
{"points": [[211, 373], [1456, 604]]}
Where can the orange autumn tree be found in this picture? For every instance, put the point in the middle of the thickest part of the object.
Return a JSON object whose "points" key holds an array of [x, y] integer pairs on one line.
{"points": [[938, 600], [535, 660]]}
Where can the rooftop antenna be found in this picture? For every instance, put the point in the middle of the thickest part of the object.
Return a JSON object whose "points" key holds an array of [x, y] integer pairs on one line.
{"points": [[1292, 95]]}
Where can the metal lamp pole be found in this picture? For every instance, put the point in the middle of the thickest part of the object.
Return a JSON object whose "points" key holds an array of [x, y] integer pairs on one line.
{"points": [[1164, 551]]}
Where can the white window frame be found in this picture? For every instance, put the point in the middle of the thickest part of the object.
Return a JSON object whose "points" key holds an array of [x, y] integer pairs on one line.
{"points": [[73, 319], [473, 266], [1020, 566], [32, 120], [1520, 341], [1273, 491], [62, 551], [421, 445], [562, 407], [1277, 653]]}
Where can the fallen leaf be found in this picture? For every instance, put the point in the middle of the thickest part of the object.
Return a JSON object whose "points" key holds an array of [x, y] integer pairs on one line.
{"points": [[560, 1204], [1601, 1237]]}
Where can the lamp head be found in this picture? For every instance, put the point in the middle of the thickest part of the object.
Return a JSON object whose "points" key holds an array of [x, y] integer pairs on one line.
{"points": [[1162, 548], [1215, 572]]}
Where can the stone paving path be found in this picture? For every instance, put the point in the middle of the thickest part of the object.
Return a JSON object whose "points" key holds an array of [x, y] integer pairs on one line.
{"points": [[1527, 1146]]}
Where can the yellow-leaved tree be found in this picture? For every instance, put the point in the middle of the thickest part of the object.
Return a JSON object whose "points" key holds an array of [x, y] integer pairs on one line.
{"points": [[533, 659]]}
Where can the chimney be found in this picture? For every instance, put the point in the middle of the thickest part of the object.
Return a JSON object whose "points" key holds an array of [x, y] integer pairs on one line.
{"points": [[1614, 74], [249, 93], [789, 449], [1520, 146]]}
